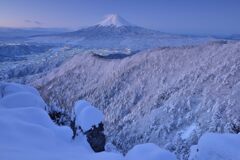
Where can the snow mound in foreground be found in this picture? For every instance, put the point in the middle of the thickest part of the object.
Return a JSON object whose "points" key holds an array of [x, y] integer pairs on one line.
{"points": [[87, 115], [20, 96], [21, 100], [12, 88], [28, 133], [213, 146], [149, 151]]}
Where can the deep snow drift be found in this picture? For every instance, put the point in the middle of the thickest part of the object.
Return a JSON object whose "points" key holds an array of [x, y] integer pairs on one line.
{"points": [[217, 147], [28, 133], [169, 96]]}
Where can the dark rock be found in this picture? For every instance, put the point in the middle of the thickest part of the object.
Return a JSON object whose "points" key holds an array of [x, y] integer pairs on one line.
{"points": [[96, 138]]}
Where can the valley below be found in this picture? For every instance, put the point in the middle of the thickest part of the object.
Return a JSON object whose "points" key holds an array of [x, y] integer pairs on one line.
{"points": [[169, 96]]}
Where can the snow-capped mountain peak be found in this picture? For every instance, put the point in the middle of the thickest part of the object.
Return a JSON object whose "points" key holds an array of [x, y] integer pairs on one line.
{"points": [[114, 20]]}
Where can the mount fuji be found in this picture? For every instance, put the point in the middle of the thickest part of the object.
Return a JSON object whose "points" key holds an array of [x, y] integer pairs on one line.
{"points": [[117, 33], [114, 20]]}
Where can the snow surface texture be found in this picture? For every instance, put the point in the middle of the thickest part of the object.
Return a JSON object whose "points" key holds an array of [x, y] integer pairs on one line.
{"points": [[114, 20], [28, 133], [155, 95], [87, 115], [217, 147], [151, 151]]}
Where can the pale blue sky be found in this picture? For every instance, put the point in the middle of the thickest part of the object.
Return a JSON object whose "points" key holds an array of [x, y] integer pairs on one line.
{"points": [[174, 16]]}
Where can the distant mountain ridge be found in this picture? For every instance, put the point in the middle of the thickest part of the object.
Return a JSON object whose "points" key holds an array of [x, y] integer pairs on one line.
{"points": [[9, 32], [116, 32]]}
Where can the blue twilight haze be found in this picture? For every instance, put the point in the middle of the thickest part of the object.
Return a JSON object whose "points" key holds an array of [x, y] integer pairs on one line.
{"points": [[173, 16]]}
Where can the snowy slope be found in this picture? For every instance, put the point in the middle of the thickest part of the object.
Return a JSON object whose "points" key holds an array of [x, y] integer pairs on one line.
{"points": [[28, 133], [217, 147], [169, 96]]}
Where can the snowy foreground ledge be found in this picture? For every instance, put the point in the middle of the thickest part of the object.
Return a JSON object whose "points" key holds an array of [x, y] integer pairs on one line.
{"points": [[27, 133]]}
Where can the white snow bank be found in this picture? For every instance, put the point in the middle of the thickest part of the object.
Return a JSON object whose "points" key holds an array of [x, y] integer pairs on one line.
{"points": [[28, 133], [149, 151], [10, 88], [213, 146], [14, 95], [22, 99], [87, 115], [108, 156]]}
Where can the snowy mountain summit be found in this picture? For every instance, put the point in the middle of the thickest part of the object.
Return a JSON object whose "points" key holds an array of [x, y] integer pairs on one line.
{"points": [[114, 20], [115, 32]]}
